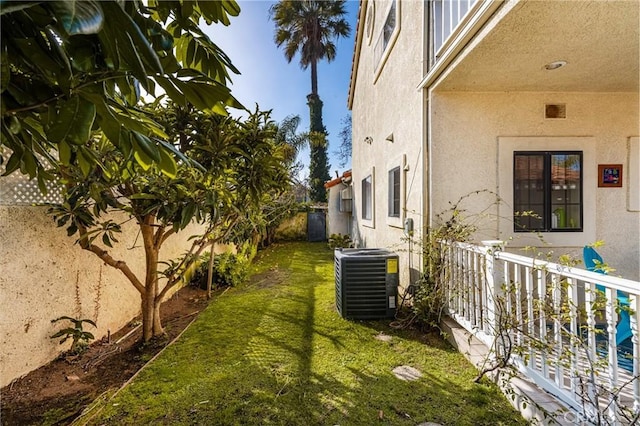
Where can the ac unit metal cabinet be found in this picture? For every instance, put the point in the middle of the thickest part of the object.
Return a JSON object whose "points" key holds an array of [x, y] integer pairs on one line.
{"points": [[366, 283], [346, 200]]}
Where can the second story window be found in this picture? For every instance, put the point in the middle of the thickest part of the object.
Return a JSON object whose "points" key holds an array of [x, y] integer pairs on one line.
{"points": [[388, 34]]}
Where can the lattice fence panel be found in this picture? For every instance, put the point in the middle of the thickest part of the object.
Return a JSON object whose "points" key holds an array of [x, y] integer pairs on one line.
{"points": [[18, 190]]}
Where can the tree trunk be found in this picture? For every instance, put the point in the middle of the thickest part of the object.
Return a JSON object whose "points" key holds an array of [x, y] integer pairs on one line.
{"points": [[148, 304], [314, 78], [151, 324], [210, 272], [158, 330]]}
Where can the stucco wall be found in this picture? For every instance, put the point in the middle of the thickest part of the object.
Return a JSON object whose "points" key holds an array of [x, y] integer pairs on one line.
{"points": [[477, 124], [293, 228], [389, 105], [45, 276], [337, 222]]}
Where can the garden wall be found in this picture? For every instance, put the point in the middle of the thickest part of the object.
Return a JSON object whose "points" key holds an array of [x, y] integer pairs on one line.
{"points": [[293, 229], [44, 276]]}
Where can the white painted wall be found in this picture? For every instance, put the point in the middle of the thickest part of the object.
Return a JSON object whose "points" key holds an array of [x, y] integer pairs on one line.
{"points": [[386, 102], [337, 222], [471, 138], [45, 276]]}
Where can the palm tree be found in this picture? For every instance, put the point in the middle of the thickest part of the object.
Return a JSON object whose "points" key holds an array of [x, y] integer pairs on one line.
{"points": [[287, 134], [309, 27]]}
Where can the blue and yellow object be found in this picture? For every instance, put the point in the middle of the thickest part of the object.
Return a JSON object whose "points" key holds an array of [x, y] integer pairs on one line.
{"points": [[592, 261]]}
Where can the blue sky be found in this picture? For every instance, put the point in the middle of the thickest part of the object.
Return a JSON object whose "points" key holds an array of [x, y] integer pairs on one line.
{"points": [[270, 81]]}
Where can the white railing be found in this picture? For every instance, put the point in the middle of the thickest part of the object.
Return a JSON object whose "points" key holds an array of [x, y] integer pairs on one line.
{"points": [[446, 16], [560, 325]]}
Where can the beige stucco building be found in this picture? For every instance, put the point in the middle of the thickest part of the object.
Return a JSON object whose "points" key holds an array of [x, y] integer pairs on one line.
{"points": [[533, 102], [339, 204]]}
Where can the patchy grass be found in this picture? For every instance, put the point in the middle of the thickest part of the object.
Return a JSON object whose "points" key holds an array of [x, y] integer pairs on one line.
{"points": [[276, 352]]}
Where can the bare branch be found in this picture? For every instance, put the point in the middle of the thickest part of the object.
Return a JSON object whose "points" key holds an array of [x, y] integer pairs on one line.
{"points": [[108, 259]]}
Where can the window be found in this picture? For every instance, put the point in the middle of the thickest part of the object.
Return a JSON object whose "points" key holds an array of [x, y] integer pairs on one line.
{"points": [[371, 15], [394, 192], [547, 191], [388, 35], [389, 25], [367, 198]]}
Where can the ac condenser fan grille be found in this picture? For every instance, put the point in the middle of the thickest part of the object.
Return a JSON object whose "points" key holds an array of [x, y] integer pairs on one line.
{"points": [[366, 283]]}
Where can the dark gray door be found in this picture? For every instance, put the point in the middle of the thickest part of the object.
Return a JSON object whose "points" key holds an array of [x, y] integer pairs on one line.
{"points": [[316, 226]]}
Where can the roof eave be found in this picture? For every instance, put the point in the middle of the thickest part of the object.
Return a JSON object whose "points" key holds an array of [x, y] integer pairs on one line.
{"points": [[356, 52]]}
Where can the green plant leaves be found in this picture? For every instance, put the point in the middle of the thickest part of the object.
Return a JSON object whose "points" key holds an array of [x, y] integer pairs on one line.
{"points": [[8, 6], [217, 11], [64, 153], [207, 96], [70, 68], [71, 121], [85, 162], [76, 333], [167, 164], [174, 93], [144, 144], [197, 52], [13, 164], [79, 16], [125, 41], [147, 153], [186, 215]]}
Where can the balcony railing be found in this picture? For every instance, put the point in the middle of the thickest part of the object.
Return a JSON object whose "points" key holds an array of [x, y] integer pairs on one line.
{"points": [[446, 16], [563, 325]]}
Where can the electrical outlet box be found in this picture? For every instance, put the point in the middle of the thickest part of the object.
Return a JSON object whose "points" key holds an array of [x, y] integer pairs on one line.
{"points": [[408, 226]]}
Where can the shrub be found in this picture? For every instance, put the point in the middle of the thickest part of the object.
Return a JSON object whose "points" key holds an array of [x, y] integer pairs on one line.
{"points": [[80, 337], [229, 270], [340, 241]]}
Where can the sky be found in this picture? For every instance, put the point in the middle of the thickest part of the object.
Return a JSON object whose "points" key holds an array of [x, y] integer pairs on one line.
{"points": [[274, 84]]}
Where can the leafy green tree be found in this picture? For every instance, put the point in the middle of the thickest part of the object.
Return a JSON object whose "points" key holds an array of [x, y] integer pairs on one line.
{"points": [[260, 222], [318, 166], [309, 28], [70, 68], [242, 163]]}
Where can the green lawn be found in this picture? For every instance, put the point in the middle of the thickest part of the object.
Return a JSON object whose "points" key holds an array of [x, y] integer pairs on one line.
{"points": [[276, 352]]}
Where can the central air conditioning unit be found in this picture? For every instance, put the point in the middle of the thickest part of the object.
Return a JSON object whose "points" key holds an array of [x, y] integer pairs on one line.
{"points": [[366, 283]]}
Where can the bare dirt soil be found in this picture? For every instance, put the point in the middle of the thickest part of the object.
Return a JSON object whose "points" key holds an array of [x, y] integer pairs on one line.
{"points": [[57, 393]]}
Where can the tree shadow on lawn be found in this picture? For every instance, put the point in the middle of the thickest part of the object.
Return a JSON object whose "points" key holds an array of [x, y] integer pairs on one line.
{"points": [[376, 395], [297, 363]]}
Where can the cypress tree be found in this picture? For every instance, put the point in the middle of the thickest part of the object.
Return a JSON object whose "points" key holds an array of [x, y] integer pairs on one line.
{"points": [[319, 162]]}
